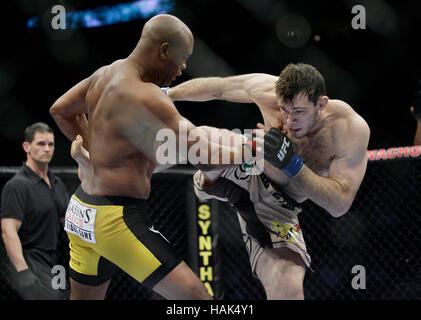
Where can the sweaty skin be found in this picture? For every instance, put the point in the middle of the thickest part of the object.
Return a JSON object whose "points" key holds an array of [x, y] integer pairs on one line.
{"points": [[330, 137], [126, 107]]}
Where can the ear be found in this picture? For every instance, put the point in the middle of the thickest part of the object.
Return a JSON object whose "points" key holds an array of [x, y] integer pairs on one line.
{"points": [[322, 102], [163, 51], [25, 146]]}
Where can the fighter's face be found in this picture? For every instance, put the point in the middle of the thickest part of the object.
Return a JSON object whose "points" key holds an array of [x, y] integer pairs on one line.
{"points": [[41, 149], [177, 62], [299, 116]]}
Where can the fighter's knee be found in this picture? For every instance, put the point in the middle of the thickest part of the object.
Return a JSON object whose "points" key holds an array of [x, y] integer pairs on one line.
{"points": [[204, 295], [291, 288], [85, 292], [198, 291]]}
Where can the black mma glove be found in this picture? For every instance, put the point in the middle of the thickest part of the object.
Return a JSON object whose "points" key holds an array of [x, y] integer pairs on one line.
{"points": [[279, 152], [416, 102]]}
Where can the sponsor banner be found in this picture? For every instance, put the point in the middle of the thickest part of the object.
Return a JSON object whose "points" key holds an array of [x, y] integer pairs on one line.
{"points": [[411, 152]]}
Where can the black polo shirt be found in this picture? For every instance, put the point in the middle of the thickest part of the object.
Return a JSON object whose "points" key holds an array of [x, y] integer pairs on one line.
{"points": [[27, 197]]}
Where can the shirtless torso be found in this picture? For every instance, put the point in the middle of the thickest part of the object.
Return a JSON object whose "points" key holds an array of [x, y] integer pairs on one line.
{"points": [[125, 108], [125, 112], [118, 168], [331, 139], [333, 146], [319, 149]]}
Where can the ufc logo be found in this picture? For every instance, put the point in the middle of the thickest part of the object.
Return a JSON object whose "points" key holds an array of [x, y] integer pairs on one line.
{"points": [[283, 151]]}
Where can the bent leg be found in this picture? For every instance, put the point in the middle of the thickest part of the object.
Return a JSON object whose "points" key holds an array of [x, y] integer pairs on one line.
{"points": [[144, 254], [281, 272], [182, 284], [125, 237], [80, 291]]}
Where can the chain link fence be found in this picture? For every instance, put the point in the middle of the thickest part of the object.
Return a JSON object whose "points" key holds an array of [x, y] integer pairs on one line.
{"points": [[381, 235]]}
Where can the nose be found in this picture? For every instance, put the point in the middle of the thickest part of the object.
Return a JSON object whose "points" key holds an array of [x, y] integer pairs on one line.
{"points": [[180, 71], [290, 119]]}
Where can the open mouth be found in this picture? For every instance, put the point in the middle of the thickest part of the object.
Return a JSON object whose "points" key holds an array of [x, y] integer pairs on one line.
{"points": [[294, 130]]}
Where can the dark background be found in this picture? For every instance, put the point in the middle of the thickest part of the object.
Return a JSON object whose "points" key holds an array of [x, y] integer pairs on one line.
{"points": [[374, 70]]}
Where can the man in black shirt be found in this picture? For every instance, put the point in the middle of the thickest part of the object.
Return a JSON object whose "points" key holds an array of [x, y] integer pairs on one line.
{"points": [[32, 204]]}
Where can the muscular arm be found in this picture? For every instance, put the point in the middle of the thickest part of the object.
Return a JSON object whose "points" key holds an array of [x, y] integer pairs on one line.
{"points": [[82, 157], [248, 88], [346, 172], [146, 111], [69, 112], [12, 243], [224, 137]]}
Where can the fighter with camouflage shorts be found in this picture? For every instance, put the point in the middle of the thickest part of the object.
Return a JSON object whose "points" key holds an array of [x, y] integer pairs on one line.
{"points": [[315, 149], [268, 217]]}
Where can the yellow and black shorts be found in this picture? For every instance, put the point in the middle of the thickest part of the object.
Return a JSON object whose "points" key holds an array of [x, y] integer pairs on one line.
{"points": [[107, 232]]}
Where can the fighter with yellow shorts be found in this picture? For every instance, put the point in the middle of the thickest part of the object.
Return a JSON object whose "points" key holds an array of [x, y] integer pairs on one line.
{"points": [[107, 232]]}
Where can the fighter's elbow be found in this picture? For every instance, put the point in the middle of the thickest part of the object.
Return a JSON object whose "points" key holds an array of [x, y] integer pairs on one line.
{"points": [[217, 94], [337, 213], [340, 208], [59, 112], [218, 85], [342, 200], [55, 109]]}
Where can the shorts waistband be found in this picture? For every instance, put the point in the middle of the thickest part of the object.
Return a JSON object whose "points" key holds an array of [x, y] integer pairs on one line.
{"points": [[100, 200]]}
